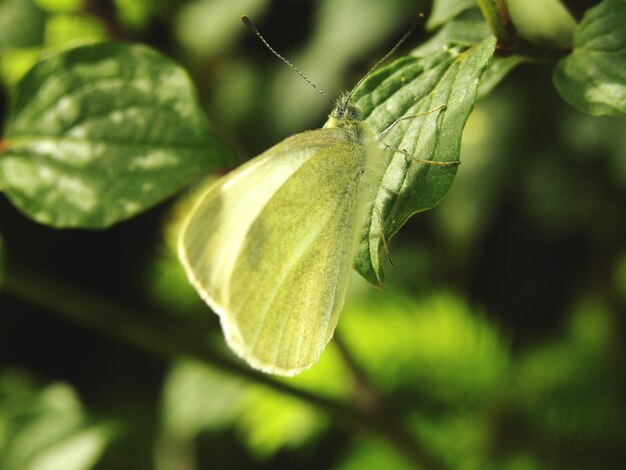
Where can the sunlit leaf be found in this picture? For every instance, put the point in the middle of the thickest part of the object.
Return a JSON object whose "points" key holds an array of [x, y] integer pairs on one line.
{"points": [[15, 62], [408, 87], [101, 133], [459, 440], [185, 409], [133, 14], [268, 421], [373, 453], [62, 30], [542, 22], [436, 344], [21, 24], [60, 6], [45, 427], [593, 77]]}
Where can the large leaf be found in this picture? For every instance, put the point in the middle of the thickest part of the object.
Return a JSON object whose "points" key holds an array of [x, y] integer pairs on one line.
{"points": [[102, 132], [409, 87], [593, 77]]}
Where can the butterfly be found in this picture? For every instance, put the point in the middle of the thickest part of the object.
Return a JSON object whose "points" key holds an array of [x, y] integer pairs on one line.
{"points": [[270, 246]]}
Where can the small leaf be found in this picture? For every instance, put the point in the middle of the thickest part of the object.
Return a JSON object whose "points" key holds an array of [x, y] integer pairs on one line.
{"points": [[593, 77], [266, 420], [62, 29], [410, 87], [134, 15], [185, 409], [499, 68], [468, 29], [15, 62], [438, 345], [102, 132], [21, 24], [60, 6], [371, 452], [445, 10], [45, 427]]}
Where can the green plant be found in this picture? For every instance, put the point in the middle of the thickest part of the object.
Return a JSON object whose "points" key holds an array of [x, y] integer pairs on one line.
{"points": [[100, 132]]}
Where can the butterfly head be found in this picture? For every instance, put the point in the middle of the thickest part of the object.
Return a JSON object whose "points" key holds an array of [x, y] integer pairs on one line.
{"points": [[345, 114]]}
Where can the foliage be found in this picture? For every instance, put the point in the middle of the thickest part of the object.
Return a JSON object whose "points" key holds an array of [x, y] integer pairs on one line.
{"points": [[100, 133], [592, 77], [500, 339], [45, 427]]}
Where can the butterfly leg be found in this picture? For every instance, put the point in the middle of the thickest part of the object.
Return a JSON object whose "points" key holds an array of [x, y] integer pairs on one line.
{"points": [[383, 237], [406, 118], [419, 160]]}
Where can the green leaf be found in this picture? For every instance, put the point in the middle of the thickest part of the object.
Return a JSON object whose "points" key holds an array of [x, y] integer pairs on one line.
{"points": [[21, 24], [267, 421], [499, 68], [45, 427], [545, 22], [444, 10], [372, 452], [409, 87], [15, 62], [437, 346], [101, 133], [63, 29], [593, 77], [204, 27], [468, 29], [60, 6], [185, 410], [133, 14]]}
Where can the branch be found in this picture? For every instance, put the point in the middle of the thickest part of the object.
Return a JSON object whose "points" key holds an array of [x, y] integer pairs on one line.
{"points": [[166, 339], [496, 14], [374, 403]]}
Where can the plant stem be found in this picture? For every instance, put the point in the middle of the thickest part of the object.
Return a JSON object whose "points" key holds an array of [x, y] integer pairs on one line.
{"points": [[372, 401], [158, 336], [496, 14]]}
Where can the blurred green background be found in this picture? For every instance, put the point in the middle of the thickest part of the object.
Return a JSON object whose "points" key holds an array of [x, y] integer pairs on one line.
{"points": [[498, 343]]}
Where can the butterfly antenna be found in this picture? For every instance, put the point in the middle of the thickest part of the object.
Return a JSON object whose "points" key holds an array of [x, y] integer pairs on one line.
{"points": [[248, 22], [417, 21]]}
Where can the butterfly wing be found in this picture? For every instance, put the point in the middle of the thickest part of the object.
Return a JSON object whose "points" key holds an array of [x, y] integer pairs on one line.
{"points": [[270, 246]]}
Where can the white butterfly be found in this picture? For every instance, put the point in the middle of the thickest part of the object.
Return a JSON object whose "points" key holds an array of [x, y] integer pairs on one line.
{"points": [[270, 246]]}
